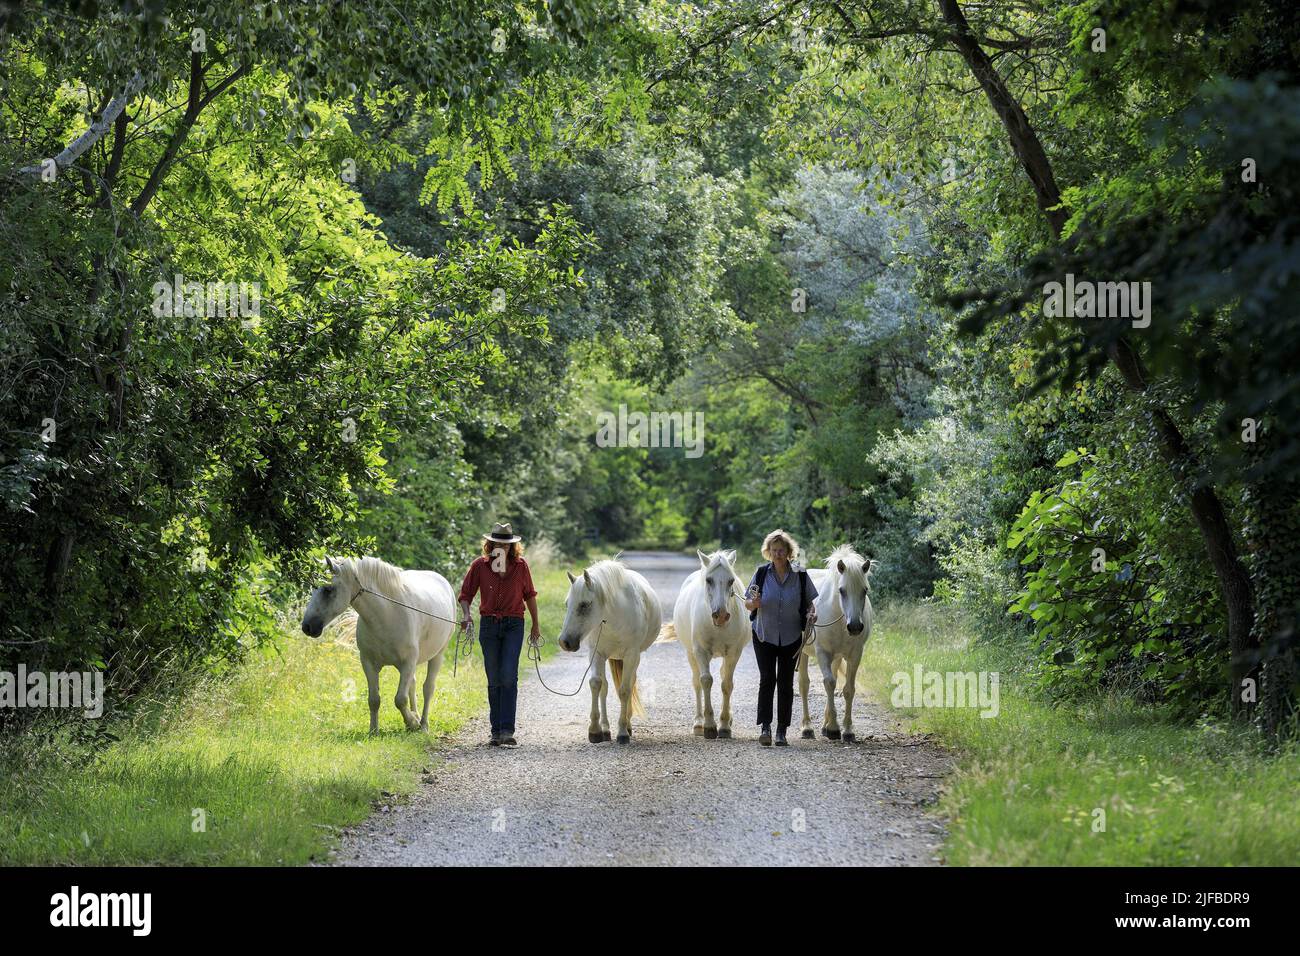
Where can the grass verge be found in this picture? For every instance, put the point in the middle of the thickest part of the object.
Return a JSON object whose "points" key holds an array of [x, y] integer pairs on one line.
{"points": [[1031, 779]]}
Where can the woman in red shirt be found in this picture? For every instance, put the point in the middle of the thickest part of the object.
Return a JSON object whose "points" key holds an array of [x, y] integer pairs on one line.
{"points": [[504, 584]]}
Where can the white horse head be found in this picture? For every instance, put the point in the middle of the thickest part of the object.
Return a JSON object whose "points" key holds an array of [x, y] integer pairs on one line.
{"points": [[330, 600], [719, 583], [584, 608], [851, 573]]}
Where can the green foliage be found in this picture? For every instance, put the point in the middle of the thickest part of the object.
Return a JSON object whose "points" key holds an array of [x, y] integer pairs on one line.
{"points": [[198, 458], [1109, 605], [563, 207]]}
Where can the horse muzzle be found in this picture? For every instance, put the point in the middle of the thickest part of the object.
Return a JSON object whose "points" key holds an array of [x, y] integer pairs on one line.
{"points": [[855, 628], [312, 628], [569, 644], [720, 618]]}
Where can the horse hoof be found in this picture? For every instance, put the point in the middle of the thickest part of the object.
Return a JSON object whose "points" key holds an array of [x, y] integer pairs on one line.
{"points": [[595, 738], [699, 730], [831, 734], [808, 735], [624, 738], [848, 738], [710, 733], [724, 733], [604, 736]]}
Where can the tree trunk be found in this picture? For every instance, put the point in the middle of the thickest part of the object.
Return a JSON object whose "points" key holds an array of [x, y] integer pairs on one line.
{"points": [[1207, 509], [1272, 526]]}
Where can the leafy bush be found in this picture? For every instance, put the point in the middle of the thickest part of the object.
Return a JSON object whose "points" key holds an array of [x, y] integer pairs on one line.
{"points": [[1109, 604]]}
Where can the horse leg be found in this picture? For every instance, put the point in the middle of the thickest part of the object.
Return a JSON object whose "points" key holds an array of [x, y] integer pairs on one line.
{"points": [[604, 702], [850, 685], [698, 728], [729, 663], [430, 676], [597, 685], [830, 726], [625, 701], [405, 691], [372, 693], [704, 665], [807, 733]]}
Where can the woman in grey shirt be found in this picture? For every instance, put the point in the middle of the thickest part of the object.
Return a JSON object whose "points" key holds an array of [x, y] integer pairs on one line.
{"points": [[780, 600]]}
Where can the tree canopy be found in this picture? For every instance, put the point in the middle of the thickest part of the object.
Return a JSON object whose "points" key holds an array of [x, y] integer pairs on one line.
{"points": [[287, 278]]}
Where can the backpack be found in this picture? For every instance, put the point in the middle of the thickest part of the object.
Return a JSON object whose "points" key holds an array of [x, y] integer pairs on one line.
{"points": [[761, 575]]}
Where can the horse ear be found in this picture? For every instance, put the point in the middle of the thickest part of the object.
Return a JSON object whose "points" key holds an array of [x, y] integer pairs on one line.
{"points": [[330, 565], [730, 556], [704, 558], [841, 567], [571, 577], [586, 579]]}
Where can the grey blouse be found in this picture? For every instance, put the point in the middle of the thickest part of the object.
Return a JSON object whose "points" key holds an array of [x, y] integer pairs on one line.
{"points": [[778, 616]]}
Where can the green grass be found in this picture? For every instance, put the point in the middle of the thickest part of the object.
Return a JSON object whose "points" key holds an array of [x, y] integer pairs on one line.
{"points": [[274, 758], [1029, 780]]}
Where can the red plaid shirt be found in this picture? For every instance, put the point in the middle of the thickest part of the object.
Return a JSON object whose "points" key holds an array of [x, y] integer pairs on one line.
{"points": [[498, 596]]}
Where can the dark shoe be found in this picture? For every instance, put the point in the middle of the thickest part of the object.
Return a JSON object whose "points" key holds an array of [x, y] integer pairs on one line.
{"points": [[495, 740], [508, 739], [765, 737], [780, 739]]}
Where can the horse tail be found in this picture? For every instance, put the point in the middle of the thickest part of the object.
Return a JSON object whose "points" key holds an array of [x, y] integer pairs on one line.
{"points": [[616, 668], [667, 633]]}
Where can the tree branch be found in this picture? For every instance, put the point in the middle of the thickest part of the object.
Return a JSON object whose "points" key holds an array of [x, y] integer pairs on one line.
{"points": [[90, 137]]}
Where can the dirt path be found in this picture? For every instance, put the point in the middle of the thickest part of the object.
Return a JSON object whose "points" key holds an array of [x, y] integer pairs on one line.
{"points": [[669, 797]]}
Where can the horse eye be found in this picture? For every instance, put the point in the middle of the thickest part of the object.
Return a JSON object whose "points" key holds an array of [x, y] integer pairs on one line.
{"points": [[843, 591], [584, 607]]}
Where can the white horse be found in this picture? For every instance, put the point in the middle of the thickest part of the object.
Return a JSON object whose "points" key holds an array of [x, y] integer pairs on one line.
{"points": [[390, 629], [619, 612], [844, 603], [710, 621]]}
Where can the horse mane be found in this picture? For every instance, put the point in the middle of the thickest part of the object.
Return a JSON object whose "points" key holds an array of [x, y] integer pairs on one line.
{"points": [[608, 575], [375, 574], [843, 553]]}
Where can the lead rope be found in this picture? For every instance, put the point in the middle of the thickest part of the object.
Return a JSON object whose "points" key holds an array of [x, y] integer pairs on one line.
{"points": [[535, 655], [828, 623]]}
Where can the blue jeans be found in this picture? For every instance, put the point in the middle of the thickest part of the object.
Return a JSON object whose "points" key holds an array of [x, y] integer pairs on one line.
{"points": [[502, 638]]}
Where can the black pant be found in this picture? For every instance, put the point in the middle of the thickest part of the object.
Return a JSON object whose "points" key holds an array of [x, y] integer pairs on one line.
{"points": [[776, 667]]}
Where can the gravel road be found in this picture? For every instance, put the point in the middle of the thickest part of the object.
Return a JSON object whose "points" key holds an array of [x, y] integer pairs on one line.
{"points": [[668, 798]]}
